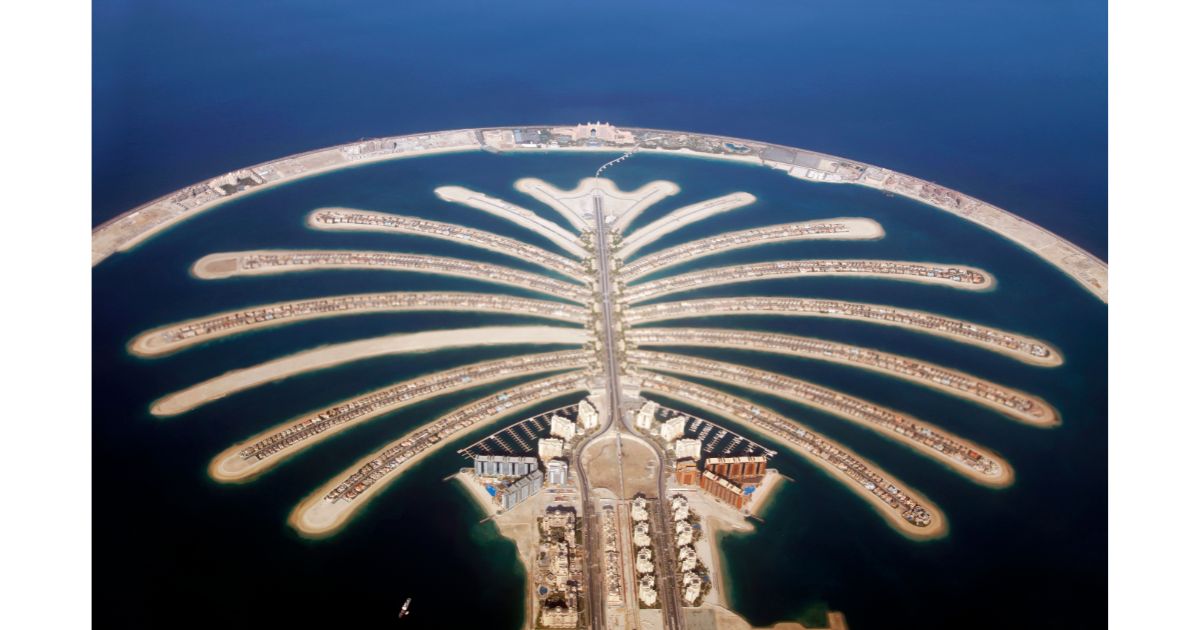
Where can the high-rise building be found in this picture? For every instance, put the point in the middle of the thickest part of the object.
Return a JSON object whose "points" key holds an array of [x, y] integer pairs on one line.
{"points": [[672, 429], [722, 489], [687, 447], [645, 416], [589, 418], [504, 465], [549, 448], [556, 472], [523, 488], [563, 428], [686, 473], [741, 470]]}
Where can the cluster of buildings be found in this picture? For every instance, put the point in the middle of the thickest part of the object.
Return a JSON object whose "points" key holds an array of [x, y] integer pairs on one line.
{"points": [[304, 309], [694, 580], [415, 389], [787, 268], [412, 445], [267, 261], [639, 512], [809, 444], [614, 590], [836, 308], [513, 478], [449, 231], [559, 568], [730, 480], [728, 240], [933, 375], [861, 410]]}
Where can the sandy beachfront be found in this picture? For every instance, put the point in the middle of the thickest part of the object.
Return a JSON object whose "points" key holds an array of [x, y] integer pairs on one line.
{"points": [[681, 218], [232, 466], [223, 265], [577, 204], [916, 432], [1010, 344], [523, 217], [856, 229], [337, 354], [354, 220], [935, 377], [937, 526], [181, 335], [127, 230], [315, 517]]}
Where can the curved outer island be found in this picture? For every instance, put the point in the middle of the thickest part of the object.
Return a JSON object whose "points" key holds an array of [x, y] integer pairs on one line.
{"points": [[133, 227]]}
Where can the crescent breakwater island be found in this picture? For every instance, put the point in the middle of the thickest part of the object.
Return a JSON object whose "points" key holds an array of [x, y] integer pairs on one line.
{"points": [[129, 229], [615, 489]]}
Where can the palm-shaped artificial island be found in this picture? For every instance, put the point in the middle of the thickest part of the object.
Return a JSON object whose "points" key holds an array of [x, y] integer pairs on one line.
{"points": [[607, 497], [627, 472]]}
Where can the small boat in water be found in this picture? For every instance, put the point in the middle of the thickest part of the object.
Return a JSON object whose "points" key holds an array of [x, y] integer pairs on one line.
{"points": [[404, 608]]}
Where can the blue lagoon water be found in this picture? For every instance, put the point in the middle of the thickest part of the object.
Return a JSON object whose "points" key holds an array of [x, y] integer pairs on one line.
{"points": [[1004, 100]]}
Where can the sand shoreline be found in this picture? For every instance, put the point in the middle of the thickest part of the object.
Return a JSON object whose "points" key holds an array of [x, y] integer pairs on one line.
{"points": [[725, 307], [568, 268], [771, 270], [222, 265], [938, 526], [168, 339], [333, 355], [126, 230], [229, 466], [304, 526], [1004, 476], [744, 340]]}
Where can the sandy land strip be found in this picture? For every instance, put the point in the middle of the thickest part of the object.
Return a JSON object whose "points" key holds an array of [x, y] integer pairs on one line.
{"points": [[523, 217], [811, 395], [1013, 345], [352, 220], [937, 527], [326, 357], [778, 269], [178, 336], [681, 218], [131, 228], [853, 229], [1039, 413], [265, 262], [229, 466], [134, 226], [624, 206], [317, 518]]}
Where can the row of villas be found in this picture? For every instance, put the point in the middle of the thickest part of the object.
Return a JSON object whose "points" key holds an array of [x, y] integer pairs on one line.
{"points": [[768, 270], [934, 375], [372, 302], [445, 427], [652, 262], [409, 390], [437, 229], [420, 263], [692, 572], [837, 308], [816, 446], [817, 396]]}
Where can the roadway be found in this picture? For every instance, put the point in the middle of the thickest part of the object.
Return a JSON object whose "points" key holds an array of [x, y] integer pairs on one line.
{"points": [[667, 591]]}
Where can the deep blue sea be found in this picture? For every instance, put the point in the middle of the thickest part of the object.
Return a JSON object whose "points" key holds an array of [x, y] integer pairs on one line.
{"points": [[1004, 100]]}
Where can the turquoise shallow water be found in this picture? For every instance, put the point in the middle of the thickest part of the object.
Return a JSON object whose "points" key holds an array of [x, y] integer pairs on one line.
{"points": [[1036, 549]]}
